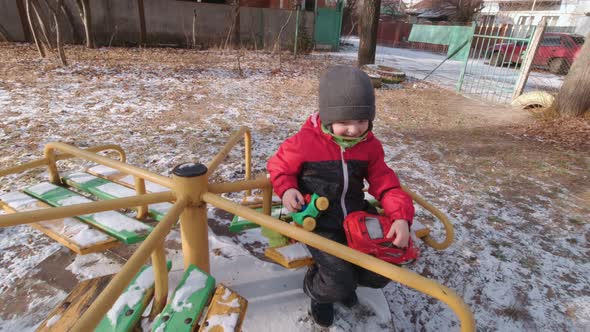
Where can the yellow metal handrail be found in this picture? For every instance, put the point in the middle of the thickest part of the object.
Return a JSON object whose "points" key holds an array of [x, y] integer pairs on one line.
{"points": [[449, 232], [45, 161], [29, 217], [51, 147], [232, 141]]}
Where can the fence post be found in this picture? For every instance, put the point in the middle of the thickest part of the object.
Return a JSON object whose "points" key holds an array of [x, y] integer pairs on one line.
{"points": [[531, 51], [464, 67]]}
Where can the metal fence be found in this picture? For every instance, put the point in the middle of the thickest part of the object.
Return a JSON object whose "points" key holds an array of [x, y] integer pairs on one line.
{"points": [[494, 65], [492, 69]]}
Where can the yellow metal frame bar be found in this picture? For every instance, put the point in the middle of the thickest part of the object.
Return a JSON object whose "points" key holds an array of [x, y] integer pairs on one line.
{"points": [[449, 232], [192, 195], [52, 147], [232, 141], [45, 161], [29, 217]]}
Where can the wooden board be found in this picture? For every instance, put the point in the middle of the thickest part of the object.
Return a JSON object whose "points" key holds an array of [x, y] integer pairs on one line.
{"points": [[65, 315], [118, 225], [226, 311], [290, 256], [184, 309], [70, 232], [105, 189]]}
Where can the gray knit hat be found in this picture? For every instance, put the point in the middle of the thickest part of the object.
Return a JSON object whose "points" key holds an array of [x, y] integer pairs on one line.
{"points": [[346, 93]]}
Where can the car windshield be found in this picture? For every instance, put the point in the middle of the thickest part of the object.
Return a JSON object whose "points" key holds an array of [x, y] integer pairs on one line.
{"points": [[578, 40]]}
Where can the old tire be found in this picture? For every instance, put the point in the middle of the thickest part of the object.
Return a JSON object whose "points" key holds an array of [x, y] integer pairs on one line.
{"points": [[534, 99], [558, 66], [388, 74], [376, 80]]}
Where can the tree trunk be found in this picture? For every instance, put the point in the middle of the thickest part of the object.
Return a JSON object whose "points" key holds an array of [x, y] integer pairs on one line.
{"points": [[70, 18], [58, 38], [4, 35], [84, 9], [22, 13], [40, 47], [37, 10], [573, 98], [369, 11], [142, 30]]}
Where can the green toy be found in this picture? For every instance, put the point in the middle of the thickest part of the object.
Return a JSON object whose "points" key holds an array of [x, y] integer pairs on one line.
{"points": [[306, 218]]}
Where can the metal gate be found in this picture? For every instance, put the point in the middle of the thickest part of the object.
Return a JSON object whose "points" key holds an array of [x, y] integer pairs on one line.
{"points": [[328, 22], [493, 69]]}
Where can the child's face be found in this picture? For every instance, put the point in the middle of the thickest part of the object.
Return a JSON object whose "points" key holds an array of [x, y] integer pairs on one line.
{"points": [[350, 128]]}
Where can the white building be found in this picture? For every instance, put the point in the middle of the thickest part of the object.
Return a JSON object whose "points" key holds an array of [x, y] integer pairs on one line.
{"points": [[561, 13]]}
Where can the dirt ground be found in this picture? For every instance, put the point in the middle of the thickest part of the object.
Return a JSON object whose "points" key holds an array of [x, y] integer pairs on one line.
{"points": [[442, 144]]}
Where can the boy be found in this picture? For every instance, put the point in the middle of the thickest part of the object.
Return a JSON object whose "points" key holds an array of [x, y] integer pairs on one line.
{"points": [[332, 155]]}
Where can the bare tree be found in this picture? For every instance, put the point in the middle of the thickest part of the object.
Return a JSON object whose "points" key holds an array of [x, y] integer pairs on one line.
{"points": [[58, 38], [22, 13], [277, 44], [368, 13], [34, 33], [38, 27], [464, 9], [42, 25], [84, 10], [70, 19], [142, 29], [4, 35], [573, 98], [235, 15], [194, 28]]}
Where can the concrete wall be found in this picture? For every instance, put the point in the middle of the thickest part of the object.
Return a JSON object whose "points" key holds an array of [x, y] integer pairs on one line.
{"points": [[169, 22], [260, 26], [172, 22], [10, 21]]}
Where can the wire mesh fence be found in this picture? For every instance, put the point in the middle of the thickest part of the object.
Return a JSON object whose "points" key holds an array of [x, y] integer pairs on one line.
{"points": [[493, 66], [495, 60]]}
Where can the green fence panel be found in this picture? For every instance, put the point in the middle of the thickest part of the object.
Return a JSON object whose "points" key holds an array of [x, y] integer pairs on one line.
{"points": [[456, 37], [328, 22]]}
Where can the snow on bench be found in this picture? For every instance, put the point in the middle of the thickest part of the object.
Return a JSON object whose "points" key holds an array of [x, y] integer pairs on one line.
{"points": [[128, 181], [72, 233], [118, 225], [183, 311], [105, 189], [290, 256], [123, 315], [226, 311]]}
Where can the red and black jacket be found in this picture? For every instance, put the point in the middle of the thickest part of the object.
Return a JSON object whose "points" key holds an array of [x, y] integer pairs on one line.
{"points": [[312, 162]]}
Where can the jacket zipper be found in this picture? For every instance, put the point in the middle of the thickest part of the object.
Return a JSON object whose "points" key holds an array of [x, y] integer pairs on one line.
{"points": [[345, 186]]}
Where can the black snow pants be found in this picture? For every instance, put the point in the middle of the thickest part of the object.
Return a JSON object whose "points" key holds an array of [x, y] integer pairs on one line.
{"points": [[332, 279]]}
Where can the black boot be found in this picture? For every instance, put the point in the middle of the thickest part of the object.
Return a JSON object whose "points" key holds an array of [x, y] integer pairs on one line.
{"points": [[322, 313], [350, 301]]}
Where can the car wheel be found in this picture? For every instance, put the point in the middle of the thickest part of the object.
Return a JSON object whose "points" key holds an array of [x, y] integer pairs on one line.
{"points": [[497, 59], [558, 66]]}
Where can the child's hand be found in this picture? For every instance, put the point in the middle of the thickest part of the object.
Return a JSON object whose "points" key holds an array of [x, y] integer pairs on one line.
{"points": [[401, 231], [293, 200]]}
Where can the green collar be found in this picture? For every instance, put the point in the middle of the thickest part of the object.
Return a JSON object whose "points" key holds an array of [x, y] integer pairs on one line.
{"points": [[344, 142]]}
